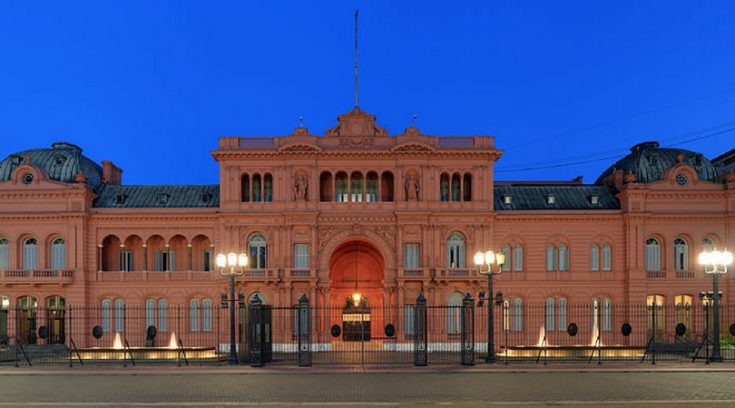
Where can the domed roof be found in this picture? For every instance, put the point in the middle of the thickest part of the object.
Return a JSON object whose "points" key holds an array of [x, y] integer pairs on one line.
{"points": [[62, 162], [649, 162]]}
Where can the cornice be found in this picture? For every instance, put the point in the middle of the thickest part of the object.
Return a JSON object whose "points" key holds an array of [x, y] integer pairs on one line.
{"points": [[384, 154]]}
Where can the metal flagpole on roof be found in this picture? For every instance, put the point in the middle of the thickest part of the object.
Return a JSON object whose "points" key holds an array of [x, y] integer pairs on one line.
{"points": [[356, 60]]}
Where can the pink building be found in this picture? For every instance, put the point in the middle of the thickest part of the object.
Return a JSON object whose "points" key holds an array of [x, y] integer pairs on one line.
{"points": [[357, 210]]}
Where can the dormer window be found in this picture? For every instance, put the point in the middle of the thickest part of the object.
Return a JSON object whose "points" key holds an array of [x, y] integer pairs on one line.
{"points": [[507, 199], [27, 178], [163, 198], [120, 199], [652, 160], [206, 198], [550, 199], [594, 199], [59, 159]]}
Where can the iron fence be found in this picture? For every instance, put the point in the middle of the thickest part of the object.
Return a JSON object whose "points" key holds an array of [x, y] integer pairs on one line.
{"points": [[413, 334]]}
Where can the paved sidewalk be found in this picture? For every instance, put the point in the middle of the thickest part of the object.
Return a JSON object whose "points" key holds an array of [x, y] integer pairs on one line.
{"points": [[223, 387]]}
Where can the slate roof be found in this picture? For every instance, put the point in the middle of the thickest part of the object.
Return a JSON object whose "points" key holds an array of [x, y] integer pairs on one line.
{"points": [[568, 197], [63, 161], [649, 162], [161, 196]]}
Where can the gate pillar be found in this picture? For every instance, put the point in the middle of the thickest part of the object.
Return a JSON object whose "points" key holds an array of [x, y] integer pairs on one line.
{"points": [[467, 322], [304, 331], [420, 346]]}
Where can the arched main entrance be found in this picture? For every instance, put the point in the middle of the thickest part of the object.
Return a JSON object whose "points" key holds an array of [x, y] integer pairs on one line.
{"points": [[356, 293]]}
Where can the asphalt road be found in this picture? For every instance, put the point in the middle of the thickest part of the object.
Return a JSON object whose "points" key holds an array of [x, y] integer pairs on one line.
{"points": [[192, 388]]}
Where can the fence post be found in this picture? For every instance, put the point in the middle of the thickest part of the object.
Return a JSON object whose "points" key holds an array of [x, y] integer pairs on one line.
{"points": [[420, 352], [255, 332], [467, 323], [304, 330]]}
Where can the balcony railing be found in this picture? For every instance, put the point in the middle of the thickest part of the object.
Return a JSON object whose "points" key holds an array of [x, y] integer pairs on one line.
{"points": [[38, 276], [655, 274], [413, 272], [684, 274], [181, 276], [455, 272]]}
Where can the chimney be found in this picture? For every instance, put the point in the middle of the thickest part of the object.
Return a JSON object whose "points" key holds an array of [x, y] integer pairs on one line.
{"points": [[111, 173]]}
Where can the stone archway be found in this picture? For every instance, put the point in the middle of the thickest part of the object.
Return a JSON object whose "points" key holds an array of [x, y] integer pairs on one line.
{"points": [[356, 267]]}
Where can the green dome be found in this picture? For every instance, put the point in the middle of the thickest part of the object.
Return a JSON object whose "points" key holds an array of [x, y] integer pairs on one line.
{"points": [[649, 162], [62, 162]]}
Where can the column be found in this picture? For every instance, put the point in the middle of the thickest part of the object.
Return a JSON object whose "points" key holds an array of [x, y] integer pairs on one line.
{"points": [[145, 257], [99, 257], [191, 257]]}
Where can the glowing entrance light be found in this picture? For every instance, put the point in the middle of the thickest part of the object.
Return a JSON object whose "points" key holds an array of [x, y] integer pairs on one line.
{"points": [[117, 344], [356, 298]]}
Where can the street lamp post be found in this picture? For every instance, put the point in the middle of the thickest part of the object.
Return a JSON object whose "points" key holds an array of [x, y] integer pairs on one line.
{"points": [[487, 259], [233, 261], [715, 263]]}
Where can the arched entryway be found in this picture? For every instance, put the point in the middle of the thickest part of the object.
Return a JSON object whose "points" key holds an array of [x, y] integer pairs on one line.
{"points": [[356, 293]]}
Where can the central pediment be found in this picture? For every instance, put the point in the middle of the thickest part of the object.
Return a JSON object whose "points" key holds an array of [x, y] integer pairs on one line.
{"points": [[356, 123]]}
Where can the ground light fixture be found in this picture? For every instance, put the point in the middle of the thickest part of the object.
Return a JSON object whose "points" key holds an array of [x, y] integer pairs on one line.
{"points": [[484, 262], [715, 263], [232, 265]]}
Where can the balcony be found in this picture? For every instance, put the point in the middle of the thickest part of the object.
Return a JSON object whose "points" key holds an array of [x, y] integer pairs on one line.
{"points": [[414, 273], [182, 276], [684, 274], [36, 277], [454, 272]]}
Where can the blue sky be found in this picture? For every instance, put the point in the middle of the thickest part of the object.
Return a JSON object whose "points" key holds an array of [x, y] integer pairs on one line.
{"points": [[150, 85]]}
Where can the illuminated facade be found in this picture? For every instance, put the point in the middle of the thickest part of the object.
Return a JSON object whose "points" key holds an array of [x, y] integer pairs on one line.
{"points": [[358, 211]]}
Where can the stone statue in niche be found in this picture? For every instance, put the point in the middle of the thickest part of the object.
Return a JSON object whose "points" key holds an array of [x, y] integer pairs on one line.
{"points": [[412, 188], [300, 186]]}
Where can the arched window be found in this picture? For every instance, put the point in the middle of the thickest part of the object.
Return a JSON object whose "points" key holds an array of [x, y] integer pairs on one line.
{"points": [[58, 254], [681, 255], [444, 187], [506, 252], [708, 244], [386, 186], [105, 315], [356, 186], [119, 315], [467, 187], [206, 315], [517, 315], [268, 188], [371, 187], [4, 254], [562, 314], [162, 315], [656, 316], [245, 188], [606, 257], [563, 258], [595, 258], [150, 313], [653, 255], [257, 250], [455, 251], [257, 186], [518, 258], [194, 315], [454, 313], [606, 315], [506, 315], [683, 309], [340, 186], [456, 187], [550, 258], [325, 187], [549, 313], [30, 250]]}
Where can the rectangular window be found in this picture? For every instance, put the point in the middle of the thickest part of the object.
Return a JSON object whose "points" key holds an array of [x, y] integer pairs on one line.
{"points": [[3, 256], [165, 261], [126, 261], [409, 319], [206, 261], [411, 256], [301, 256]]}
